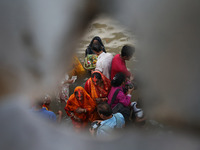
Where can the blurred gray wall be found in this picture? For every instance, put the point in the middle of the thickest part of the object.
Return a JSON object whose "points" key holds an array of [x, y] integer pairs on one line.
{"points": [[37, 35], [167, 34]]}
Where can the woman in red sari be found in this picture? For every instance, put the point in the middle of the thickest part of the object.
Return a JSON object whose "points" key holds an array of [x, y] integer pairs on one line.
{"points": [[98, 87], [79, 107]]}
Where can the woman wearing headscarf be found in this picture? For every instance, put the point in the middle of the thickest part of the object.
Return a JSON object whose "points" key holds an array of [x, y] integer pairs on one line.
{"points": [[95, 40], [98, 87], [79, 107]]}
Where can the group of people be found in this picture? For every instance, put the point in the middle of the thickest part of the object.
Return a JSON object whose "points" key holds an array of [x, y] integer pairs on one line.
{"points": [[106, 95], [105, 99]]}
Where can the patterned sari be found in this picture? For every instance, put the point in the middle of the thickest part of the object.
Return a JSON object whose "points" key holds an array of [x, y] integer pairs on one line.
{"points": [[72, 105], [96, 91]]}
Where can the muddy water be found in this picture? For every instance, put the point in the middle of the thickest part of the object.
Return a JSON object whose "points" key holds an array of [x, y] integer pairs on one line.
{"points": [[112, 33]]}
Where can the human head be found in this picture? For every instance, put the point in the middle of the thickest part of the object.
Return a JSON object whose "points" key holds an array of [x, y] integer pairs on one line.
{"points": [[127, 52], [96, 47], [79, 95], [104, 110], [96, 78], [38, 104], [118, 79], [47, 101], [95, 39]]}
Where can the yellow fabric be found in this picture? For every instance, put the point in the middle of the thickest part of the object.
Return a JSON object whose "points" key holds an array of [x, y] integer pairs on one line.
{"points": [[77, 67], [93, 90]]}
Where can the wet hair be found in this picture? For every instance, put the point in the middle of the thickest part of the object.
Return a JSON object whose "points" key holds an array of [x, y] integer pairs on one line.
{"points": [[97, 75], [98, 39], [96, 47], [104, 109], [118, 79], [89, 48], [127, 50]]}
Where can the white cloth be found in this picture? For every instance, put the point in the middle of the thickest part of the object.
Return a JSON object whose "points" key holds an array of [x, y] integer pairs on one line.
{"points": [[104, 62]]}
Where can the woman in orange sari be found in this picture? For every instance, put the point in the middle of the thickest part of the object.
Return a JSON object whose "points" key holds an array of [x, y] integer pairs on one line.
{"points": [[79, 107], [98, 87]]}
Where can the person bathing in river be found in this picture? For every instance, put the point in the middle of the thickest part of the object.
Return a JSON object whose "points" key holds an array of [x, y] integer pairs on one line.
{"points": [[95, 40], [80, 107], [104, 60], [98, 87], [119, 64]]}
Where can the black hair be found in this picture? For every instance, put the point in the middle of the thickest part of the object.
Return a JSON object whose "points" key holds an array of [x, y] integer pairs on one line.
{"points": [[118, 79], [127, 50], [104, 109], [89, 48], [96, 47], [98, 39], [97, 75]]}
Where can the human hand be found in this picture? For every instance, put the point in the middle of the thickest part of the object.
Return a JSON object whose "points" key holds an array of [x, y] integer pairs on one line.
{"points": [[59, 116], [70, 81], [131, 77], [92, 131], [130, 91], [98, 100], [76, 118], [98, 121], [104, 99], [59, 113], [80, 110]]}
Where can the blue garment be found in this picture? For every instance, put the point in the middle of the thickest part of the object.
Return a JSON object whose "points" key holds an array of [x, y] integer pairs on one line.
{"points": [[48, 114], [107, 126]]}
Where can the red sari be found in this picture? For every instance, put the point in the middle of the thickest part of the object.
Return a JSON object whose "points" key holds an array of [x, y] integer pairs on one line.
{"points": [[87, 103], [96, 91]]}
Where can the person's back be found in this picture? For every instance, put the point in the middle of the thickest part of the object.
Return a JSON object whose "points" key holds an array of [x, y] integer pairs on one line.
{"points": [[48, 114], [121, 97], [117, 94], [43, 112], [104, 60], [117, 98], [109, 125], [109, 121], [118, 62]]}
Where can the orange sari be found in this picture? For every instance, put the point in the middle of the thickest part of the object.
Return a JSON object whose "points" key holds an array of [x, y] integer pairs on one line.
{"points": [[87, 103], [96, 91]]}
